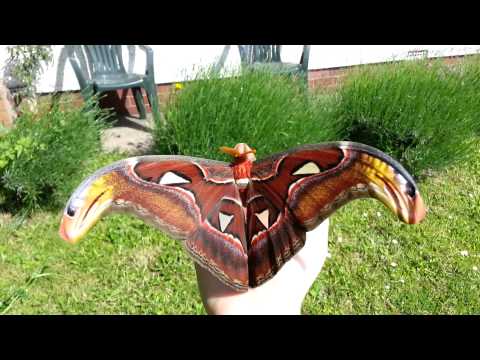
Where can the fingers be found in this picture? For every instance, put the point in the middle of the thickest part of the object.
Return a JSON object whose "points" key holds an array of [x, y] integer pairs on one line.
{"points": [[283, 294]]}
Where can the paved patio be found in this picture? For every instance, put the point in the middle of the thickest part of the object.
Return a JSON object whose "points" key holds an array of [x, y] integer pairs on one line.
{"points": [[129, 135]]}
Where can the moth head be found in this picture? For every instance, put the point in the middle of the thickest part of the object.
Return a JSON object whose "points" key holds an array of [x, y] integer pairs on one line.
{"points": [[89, 202], [241, 151]]}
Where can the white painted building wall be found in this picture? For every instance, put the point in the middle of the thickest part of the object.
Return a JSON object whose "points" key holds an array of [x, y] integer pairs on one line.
{"points": [[178, 62]]}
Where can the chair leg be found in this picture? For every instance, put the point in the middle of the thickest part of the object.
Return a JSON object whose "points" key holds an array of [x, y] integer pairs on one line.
{"points": [[305, 81], [87, 93], [137, 92], [153, 99], [302, 79]]}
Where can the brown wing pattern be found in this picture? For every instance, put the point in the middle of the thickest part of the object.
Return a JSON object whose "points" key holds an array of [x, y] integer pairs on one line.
{"points": [[273, 235], [305, 185], [272, 244], [197, 200]]}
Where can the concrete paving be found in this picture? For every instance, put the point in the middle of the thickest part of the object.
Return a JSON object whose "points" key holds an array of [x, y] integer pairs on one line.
{"points": [[129, 135]]}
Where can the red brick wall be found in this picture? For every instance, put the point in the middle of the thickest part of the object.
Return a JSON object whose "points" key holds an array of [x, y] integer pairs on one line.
{"points": [[124, 103], [326, 78], [331, 78], [123, 100]]}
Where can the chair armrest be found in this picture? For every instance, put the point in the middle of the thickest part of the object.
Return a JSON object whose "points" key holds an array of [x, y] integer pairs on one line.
{"points": [[82, 81], [149, 53], [305, 57]]}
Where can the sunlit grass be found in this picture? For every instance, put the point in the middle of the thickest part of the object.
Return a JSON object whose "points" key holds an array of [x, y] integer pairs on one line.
{"points": [[378, 265]]}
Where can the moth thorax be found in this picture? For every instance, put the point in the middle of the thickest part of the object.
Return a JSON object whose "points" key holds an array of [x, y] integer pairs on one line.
{"points": [[242, 170]]}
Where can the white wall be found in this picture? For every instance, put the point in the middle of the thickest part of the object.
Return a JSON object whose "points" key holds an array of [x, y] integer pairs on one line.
{"points": [[177, 62]]}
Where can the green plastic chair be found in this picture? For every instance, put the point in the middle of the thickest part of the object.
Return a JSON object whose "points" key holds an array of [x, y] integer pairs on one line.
{"points": [[268, 57], [102, 70]]}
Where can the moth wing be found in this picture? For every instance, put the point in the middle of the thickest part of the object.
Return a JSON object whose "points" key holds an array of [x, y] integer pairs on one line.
{"points": [[197, 200], [307, 184]]}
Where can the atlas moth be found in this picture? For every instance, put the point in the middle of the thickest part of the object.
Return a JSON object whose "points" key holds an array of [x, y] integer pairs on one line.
{"points": [[242, 221]]}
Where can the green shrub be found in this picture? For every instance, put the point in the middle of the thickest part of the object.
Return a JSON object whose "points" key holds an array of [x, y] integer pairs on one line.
{"points": [[40, 157], [469, 74], [421, 113], [269, 112]]}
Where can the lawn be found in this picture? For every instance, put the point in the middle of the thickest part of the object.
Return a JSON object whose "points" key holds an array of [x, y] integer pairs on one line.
{"points": [[378, 265]]}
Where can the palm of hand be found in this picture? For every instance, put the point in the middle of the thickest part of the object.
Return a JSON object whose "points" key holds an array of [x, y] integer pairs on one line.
{"points": [[283, 294]]}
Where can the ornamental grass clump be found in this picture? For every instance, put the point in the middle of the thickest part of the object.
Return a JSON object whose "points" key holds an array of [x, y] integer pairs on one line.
{"points": [[270, 112], [423, 113], [469, 74], [42, 155]]}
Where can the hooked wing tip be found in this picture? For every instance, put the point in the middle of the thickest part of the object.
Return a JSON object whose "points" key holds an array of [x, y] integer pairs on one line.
{"points": [[419, 210], [63, 232]]}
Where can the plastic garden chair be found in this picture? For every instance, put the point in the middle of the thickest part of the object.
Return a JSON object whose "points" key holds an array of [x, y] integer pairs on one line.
{"points": [[102, 70], [268, 57]]}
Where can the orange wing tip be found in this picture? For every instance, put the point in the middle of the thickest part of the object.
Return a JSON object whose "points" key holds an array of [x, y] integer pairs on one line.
{"points": [[63, 232], [419, 210]]}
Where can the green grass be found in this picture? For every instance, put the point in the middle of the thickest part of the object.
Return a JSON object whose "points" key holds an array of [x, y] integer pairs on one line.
{"points": [[127, 267], [119, 269]]}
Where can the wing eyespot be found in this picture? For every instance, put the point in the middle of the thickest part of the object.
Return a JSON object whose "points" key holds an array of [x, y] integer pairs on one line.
{"points": [[410, 189]]}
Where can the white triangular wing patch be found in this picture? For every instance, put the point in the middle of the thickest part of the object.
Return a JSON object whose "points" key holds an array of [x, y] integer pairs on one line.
{"points": [[224, 220], [263, 217], [308, 169], [170, 178]]}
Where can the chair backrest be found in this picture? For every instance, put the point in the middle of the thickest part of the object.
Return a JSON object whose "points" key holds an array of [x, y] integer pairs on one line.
{"points": [[104, 59], [86, 57], [250, 54]]}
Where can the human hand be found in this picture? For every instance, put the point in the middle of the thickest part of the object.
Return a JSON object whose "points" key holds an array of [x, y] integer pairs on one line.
{"points": [[283, 294]]}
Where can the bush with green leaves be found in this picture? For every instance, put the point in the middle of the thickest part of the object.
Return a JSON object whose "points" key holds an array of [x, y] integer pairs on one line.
{"points": [[26, 64], [42, 155], [267, 111], [423, 113]]}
